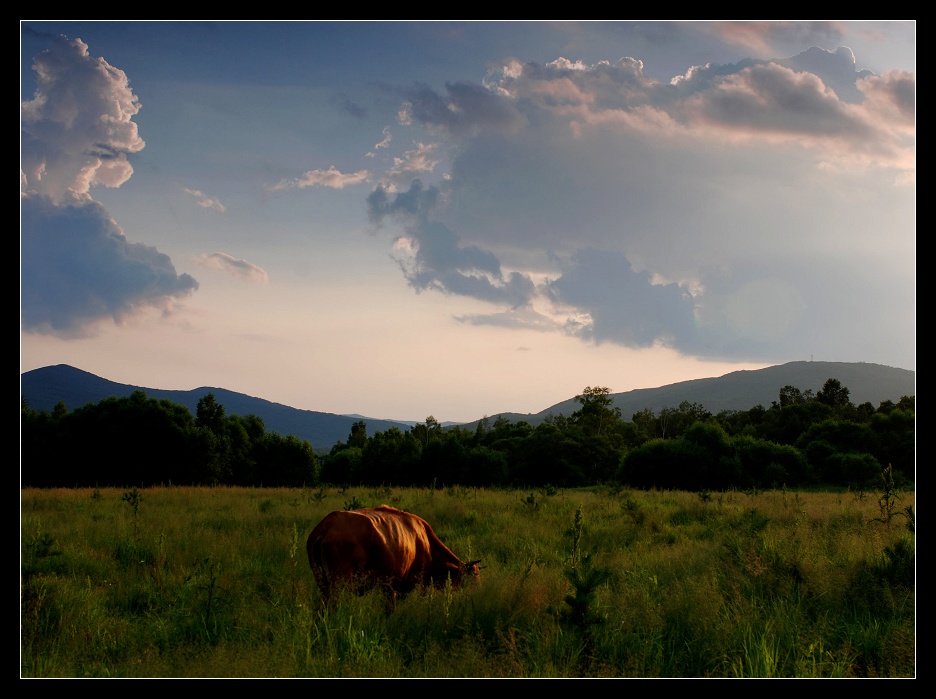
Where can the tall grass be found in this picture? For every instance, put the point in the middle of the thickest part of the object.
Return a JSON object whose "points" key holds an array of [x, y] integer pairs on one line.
{"points": [[214, 582]]}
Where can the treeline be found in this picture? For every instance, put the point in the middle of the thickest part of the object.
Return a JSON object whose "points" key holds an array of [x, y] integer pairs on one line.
{"points": [[140, 441], [802, 439]]}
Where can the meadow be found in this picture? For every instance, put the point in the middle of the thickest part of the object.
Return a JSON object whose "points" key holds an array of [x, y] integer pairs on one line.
{"points": [[604, 582]]}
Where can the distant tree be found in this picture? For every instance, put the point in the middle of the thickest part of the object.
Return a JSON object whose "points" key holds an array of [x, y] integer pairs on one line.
{"points": [[791, 395], [358, 436], [286, 462], [597, 414], [209, 413], [833, 394], [646, 423], [425, 431]]}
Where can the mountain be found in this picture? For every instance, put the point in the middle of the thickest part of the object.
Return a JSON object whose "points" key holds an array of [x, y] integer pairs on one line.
{"points": [[742, 390], [43, 388], [739, 390]]}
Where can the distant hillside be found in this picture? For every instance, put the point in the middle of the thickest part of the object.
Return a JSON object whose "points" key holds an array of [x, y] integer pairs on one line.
{"points": [[45, 387], [739, 390], [742, 390]]}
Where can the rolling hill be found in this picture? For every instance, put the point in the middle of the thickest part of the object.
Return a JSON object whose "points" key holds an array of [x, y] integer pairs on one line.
{"points": [[43, 388], [739, 390]]}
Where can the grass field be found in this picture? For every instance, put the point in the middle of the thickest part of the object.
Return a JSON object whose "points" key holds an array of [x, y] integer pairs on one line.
{"points": [[214, 582]]}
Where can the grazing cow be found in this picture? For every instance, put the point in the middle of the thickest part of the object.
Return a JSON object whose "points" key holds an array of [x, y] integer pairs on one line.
{"points": [[381, 546]]}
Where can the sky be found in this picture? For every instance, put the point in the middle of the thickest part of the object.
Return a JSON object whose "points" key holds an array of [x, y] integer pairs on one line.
{"points": [[459, 219]]}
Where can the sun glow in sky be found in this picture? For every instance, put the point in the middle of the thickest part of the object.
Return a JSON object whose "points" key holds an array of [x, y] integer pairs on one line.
{"points": [[403, 219]]}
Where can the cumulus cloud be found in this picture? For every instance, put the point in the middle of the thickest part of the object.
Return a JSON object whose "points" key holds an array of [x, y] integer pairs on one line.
{"points": [[77, 266], [242, 269], [331, 178], [625, 306], [205, 201], [432, 257], [682, 213], [77, 130]]}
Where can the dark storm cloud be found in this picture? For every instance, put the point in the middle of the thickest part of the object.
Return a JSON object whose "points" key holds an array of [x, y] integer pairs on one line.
{"points": [[415, 202], [434, 258], [625, 306], [464, 107], [78, 267]]}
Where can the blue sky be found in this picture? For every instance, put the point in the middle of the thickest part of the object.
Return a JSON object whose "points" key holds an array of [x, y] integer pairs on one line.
{"points": [[403, 219]]}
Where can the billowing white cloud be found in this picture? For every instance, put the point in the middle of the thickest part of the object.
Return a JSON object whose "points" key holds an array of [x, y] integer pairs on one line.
{"points": [[77, 129], [331, 178], [222, 262], [205, 201], [697, 213], [77, 266]]}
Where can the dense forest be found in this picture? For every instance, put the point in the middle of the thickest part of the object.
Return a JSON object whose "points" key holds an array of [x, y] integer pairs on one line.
{"points": [[802, 439]]}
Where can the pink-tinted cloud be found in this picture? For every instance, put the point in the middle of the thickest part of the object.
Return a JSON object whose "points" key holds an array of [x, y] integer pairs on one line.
{"points": [[77, 130], [242, 269], [77, 266], [205, 201], [766, 39], [652, 212], [331, 178]]}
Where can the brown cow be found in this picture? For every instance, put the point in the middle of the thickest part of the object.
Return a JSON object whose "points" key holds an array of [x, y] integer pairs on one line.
{"points": [[381, 546]]}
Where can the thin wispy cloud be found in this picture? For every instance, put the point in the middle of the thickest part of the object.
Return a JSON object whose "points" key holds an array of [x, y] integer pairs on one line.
{"points": [[242, 269], [331, 178], [205, 201], [385, 143]]}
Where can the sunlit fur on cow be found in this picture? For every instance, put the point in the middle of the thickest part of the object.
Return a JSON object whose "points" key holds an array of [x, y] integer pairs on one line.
{"points": [[381, 546]]}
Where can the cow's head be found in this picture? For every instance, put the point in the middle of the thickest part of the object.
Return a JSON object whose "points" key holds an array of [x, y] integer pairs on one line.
{"points": [[472, 571]]}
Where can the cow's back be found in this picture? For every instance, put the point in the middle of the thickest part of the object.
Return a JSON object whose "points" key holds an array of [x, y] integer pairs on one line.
{"points": [[370, 546]]}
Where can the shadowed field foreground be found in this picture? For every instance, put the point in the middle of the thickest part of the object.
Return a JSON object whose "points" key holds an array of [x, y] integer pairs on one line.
{"points": [[214, 582]]}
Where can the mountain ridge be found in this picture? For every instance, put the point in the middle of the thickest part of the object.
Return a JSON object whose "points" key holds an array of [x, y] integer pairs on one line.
{"points": [[740, 390]]}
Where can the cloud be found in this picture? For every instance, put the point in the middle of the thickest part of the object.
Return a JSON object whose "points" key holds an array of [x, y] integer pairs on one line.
{"points": [[77, 130], [432, 257], [385, 143], [77, 267], [464, 108], [412, 164], [624, 306], [237, 267], [687, 213], [205, 201], [346, 106], [766, 38], [331, 178]]}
